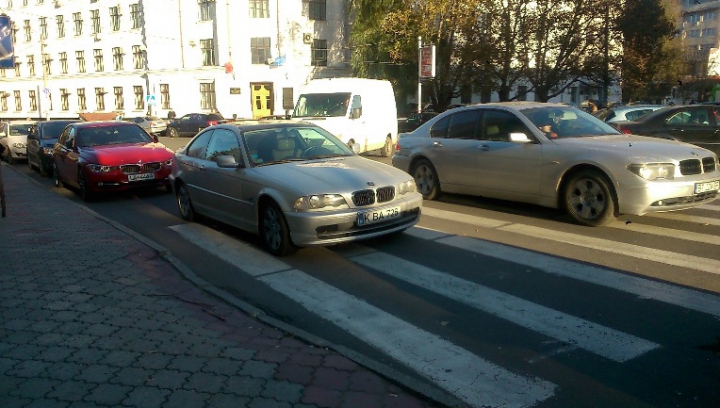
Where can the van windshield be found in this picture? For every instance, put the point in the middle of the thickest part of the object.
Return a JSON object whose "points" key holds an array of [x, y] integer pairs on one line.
{"points": [[322, 104]]}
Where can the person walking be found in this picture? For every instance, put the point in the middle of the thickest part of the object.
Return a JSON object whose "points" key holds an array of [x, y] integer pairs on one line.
{"points": [[2, 185], [171, 114]]}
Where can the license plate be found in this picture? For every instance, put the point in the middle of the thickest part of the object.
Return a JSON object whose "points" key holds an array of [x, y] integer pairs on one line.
{"points": [[370, 217], [705, 187], [141, 176]]}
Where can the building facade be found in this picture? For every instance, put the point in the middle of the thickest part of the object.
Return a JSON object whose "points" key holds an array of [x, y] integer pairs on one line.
{"points": [[136, 57]]}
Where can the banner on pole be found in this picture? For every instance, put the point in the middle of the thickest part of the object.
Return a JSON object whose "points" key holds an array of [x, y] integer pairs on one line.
{"points": [[7, 55], [427, 61]]}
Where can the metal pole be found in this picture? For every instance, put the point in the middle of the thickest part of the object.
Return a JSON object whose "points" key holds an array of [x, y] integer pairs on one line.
{"points": [[419, 109]]}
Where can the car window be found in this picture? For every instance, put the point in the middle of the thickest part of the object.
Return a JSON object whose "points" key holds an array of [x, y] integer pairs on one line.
{"points": [[51, 130], [16, 130], [223, 143], [497, 125], [440, 128], [198, 146], [462, 124]]}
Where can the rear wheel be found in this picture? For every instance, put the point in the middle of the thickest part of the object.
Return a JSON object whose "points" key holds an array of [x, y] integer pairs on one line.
{"points": [[172, 132], [426, 179], [274, 230], [589, 199], [387, 150], [184, 203]]}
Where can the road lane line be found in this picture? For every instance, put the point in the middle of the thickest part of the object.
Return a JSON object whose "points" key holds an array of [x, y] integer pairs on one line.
{"points": [[474, 380], [666, 232], [676, 216], [575, 331], [642, 287]]}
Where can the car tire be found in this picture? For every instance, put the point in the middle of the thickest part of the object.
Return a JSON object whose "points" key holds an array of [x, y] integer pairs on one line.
{"points": [[56, 176], [589, 199], [85, 193], [387, 150], [187, 212], [172, 132], [426, 179], [274, 230]]}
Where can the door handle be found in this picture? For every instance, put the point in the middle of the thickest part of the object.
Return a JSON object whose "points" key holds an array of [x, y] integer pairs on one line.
{"points": [[484, 147], [437, 144], [676, 130]]}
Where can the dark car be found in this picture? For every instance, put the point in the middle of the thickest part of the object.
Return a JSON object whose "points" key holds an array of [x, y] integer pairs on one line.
{"points": [[696, 124], [414, 121], [41, 139], [192, 123], [97, 157]]}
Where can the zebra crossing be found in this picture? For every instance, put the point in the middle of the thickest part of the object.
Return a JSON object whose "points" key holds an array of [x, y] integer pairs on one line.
{"points": [[475, 379]]}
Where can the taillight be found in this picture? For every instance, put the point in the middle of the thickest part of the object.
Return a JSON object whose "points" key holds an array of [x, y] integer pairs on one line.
{"points": [[624, 130], [212, 122]]}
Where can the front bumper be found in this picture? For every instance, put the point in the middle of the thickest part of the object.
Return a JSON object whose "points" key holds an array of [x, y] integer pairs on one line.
{"points": [[118, 181], [661, 196], [317, 228]]}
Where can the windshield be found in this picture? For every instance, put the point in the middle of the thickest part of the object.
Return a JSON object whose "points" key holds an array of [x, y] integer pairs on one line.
{"points": [[53, 130], [322, 104], [112, 135], [17, 130], [567, 122], [297, 143]]}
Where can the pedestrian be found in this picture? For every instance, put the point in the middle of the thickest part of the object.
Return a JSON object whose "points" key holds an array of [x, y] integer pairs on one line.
{"points": [[2, 185], [592, 107], [171, 114]]}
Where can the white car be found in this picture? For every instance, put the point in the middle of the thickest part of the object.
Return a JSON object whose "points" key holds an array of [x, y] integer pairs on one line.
{"points": [[556, 156], [13, 135]]}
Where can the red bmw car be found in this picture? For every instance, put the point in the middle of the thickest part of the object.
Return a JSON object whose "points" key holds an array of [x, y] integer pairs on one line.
{"points": [[96, 157]]}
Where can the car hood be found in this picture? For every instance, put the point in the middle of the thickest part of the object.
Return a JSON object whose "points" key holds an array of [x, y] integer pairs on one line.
{"points": [[639, 147], [334, 175], [127, 153]]}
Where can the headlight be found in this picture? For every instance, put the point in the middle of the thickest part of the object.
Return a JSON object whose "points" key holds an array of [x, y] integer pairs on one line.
{"points": [[97, 168], [19, 145], [654, 171], [315, 202], [407, 187]]}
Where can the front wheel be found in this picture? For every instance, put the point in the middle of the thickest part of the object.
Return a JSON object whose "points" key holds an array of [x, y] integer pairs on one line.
{"points": [[426, 179], [85, 192], [274, 230], [387, 150], [172, 132], [589, 199]]}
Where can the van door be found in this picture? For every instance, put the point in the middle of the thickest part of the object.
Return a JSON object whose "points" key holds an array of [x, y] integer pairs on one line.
{"points": [[262, 99]]}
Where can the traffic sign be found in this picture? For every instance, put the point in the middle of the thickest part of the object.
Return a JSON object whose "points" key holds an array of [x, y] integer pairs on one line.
{"points": [[150, 99]]}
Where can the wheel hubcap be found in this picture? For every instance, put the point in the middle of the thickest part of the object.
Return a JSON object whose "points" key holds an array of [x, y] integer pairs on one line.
{"points": [[587, 199], [424, 179], [272, 228]]}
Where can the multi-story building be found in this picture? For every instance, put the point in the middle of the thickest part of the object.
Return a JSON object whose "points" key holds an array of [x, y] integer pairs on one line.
{"points": [[699, 25], [132, 57]]}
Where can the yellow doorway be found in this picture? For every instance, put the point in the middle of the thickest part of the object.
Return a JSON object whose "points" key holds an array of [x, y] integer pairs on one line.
{"points": [[262, 99]]}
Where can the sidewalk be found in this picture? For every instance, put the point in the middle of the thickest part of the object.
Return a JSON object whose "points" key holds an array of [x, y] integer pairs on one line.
{"points": [[94, 315]]}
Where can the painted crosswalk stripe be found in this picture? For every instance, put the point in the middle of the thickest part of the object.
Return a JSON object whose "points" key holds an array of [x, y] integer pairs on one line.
{"points": [[471, 378], [598, 244], [578, 332], [666, 232], [643, 288], [676, 216]]}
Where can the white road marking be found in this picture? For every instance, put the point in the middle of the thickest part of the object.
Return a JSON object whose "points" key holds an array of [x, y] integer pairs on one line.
{"points": [[667, 232], [584, 334], [474, 380], [678, 216]]}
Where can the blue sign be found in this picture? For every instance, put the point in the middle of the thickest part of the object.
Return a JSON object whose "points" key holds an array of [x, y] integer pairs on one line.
{"points": [[150, 99], [7, 56]]}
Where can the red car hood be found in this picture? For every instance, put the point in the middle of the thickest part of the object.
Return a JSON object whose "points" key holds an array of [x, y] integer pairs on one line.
{"points": [[115, 155]]}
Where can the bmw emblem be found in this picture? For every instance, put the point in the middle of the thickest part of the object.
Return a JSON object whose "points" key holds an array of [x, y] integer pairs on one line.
{"points": [[370, 183]]}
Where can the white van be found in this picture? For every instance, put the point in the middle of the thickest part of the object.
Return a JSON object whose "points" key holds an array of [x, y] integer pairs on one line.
{"points": [[361, 112]]}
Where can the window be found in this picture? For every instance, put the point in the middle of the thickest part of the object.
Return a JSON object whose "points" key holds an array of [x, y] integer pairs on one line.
{"points": [[223, 143], [319, 53], [82, 101], [497, 126], [18, 101], [118, 58], [100, 99], [207, 10], [136, 15], [139, 97], [47, 64], [4, 101], [138, 57], [165, 96], [119, 100], [260, 49], [31, 65], [64, 99], [259, 9], [33, 100], [208, 52], [17, 69], [207, 95], [63, 63], [115, 18], [60, 21], [43, 28], [316, 9], [13, 30], [80, 58], [27, 30], [95, 19], [99, 65], [78, 22]]}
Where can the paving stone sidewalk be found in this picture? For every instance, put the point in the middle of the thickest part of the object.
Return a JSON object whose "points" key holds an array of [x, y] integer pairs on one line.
{"points": [[90, 316]]}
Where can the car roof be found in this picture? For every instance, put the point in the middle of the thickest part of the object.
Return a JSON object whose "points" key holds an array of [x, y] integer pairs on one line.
{"points": [[251, 125], [57, 121], [104, 124]]}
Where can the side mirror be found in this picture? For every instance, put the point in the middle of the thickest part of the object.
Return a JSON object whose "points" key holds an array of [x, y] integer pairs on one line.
{"points": [[156, 139], [228, 162]]}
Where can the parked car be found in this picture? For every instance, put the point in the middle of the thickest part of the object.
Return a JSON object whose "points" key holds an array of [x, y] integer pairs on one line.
{"points": [[192, 123], [292, 183], [696, 124], [625, 113], [151, 124], [576, 162], [40, 142], [98, 157], [413, 121], [13, 135]]}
